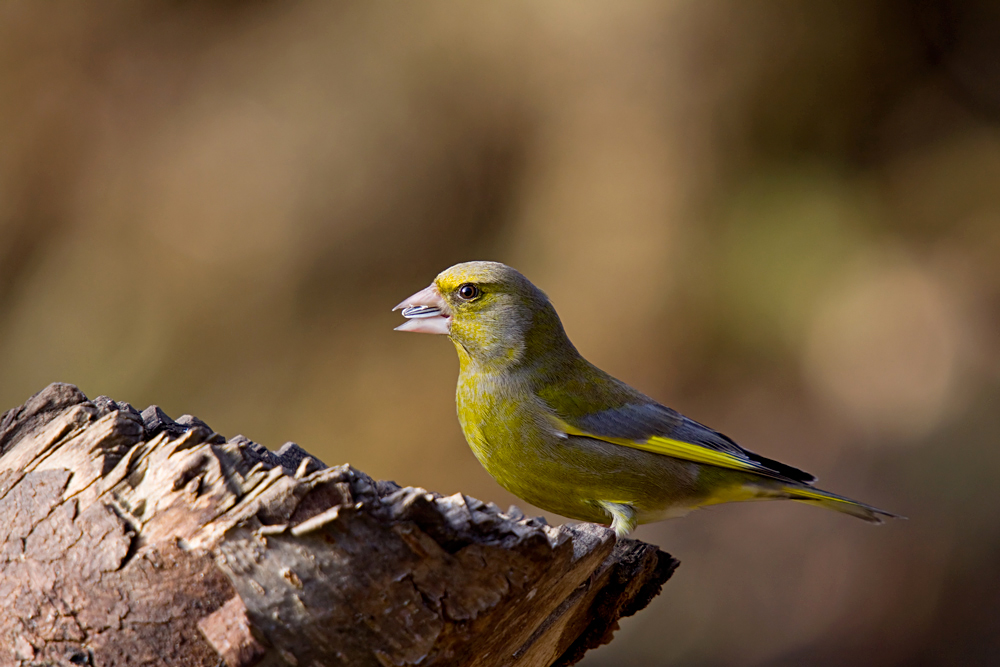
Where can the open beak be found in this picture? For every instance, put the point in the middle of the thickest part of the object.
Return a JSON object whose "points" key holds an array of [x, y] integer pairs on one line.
{"points": [[425, 312]]}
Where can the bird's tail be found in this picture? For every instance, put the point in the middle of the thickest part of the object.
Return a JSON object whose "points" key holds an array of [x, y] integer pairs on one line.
{"points": [[831, 501]]}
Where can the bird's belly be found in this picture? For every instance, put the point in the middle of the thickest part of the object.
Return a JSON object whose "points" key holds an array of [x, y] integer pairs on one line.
{"points": [[571, 476]]}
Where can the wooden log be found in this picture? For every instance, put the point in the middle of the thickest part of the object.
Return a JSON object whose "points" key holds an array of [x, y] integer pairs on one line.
{"points": [[129, 538]]}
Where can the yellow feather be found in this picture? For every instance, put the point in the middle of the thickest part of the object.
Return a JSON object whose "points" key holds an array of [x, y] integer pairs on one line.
{"points": [[670, 447]]}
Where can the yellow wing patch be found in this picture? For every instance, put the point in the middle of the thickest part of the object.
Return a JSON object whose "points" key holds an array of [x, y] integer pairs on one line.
{"points": [[675, 448]]}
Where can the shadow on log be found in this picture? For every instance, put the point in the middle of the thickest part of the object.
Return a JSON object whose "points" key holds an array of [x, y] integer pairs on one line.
{"points": [[129, 538]]}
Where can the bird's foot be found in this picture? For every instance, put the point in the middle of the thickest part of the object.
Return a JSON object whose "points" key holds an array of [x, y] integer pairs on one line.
{"points": [[624, 518]]}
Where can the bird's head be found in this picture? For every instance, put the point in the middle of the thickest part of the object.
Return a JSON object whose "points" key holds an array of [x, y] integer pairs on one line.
{"points": [[491, 312]]}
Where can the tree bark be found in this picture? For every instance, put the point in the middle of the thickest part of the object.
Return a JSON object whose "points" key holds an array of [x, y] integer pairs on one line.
{"points": [[129, 538]]}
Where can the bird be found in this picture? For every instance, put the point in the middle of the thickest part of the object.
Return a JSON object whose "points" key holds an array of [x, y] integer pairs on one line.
{"points": [[560, 433]]}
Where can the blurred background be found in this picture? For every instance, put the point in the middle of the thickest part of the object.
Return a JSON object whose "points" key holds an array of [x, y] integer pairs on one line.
{"points": [[781, 217]]}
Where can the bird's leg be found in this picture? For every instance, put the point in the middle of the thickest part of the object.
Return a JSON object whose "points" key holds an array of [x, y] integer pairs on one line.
{"points": [[623, 517]]}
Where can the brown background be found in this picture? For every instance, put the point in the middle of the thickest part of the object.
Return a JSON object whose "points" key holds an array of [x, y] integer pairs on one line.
{"points": [[780, 217]]}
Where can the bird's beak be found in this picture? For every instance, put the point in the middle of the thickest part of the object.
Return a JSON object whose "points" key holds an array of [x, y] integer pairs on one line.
{"points": [[425, 312]]}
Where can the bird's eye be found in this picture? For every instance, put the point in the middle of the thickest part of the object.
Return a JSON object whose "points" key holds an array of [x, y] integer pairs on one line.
{"points": [[468, 291]]}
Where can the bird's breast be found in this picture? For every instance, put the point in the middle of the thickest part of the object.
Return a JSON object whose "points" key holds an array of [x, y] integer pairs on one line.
{"points": [[496, 416]]}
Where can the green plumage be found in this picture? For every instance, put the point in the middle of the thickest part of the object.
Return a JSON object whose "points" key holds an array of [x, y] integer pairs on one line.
{"points": [[564, 435]]}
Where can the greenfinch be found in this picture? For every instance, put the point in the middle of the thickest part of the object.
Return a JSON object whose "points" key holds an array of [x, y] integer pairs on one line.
{"points": [[562, 434]]}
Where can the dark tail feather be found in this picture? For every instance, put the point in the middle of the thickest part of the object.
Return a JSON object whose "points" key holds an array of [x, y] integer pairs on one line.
{"points": [[832, 501]]}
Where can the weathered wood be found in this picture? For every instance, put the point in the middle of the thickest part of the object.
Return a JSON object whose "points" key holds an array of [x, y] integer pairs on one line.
{"points": [[130, 538]]}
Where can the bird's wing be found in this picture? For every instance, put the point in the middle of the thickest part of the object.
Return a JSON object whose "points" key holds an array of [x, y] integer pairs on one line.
{"points": [[655, 428]]}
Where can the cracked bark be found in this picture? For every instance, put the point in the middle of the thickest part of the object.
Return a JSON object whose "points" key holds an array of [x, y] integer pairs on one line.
{"points": [[130, 538]]}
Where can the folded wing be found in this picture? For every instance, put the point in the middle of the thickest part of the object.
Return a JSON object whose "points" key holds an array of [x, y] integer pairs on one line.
{"points": [[655, 428]]}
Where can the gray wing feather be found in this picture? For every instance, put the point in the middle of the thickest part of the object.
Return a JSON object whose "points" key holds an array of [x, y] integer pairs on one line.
{"points": [[639, 421]]}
